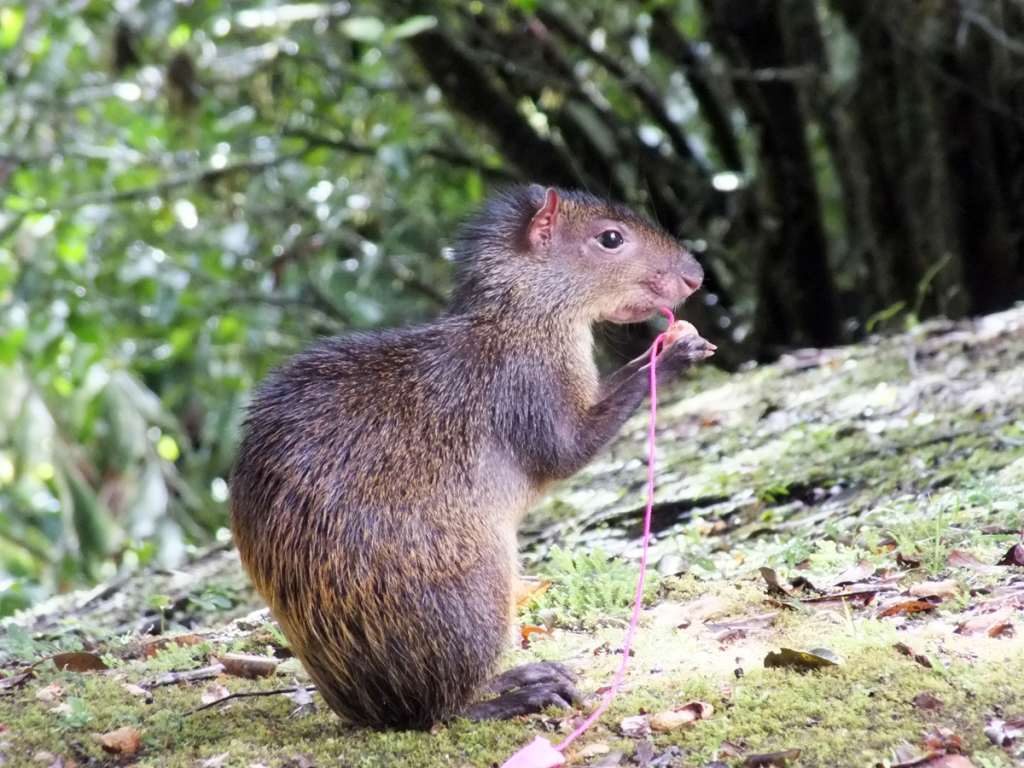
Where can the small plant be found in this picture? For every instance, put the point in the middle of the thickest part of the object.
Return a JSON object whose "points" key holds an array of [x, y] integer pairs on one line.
{"points": [[212, 600], [588, 588], [175, 658], [77, 715]]}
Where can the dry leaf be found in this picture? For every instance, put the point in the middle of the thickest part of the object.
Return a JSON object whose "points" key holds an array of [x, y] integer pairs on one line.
{"points": [[813, 659], [181, 640], [136, 690], [1002, 733], [951, 761], [215, 691], [16, 681], [920, 658], [775, 582], [123, 741], [991, 624], [593, 750], [944, 589], [925, 700], [728, 749], [528, 630], [635, 727], [1014, 556], [771, 759], [963, 560], [247, 666], [856, 572], [905, 606], [527, 592], [51, 693], [684, 715], [941, 738], [217, 761], [77, 661]]}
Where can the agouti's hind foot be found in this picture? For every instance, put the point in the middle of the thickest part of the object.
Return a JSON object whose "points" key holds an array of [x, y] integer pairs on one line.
{"points": [[527, 690]]}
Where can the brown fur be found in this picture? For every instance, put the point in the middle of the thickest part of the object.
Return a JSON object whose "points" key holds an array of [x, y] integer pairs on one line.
{"points": [[381, 477]]}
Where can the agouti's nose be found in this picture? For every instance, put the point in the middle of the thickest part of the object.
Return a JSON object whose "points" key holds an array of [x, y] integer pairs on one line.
{"points": [[693, 281]]}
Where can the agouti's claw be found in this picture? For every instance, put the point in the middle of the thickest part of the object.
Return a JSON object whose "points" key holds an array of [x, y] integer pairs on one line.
{"points": [[525, 701]]}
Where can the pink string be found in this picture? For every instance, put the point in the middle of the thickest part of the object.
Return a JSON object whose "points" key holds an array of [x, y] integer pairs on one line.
{"points": [[539, 753]]}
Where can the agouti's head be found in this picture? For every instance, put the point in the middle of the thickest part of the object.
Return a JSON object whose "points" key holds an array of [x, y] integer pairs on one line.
{"points": [[548, 250]]}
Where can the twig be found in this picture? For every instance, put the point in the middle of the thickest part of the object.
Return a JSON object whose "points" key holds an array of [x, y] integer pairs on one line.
{"points": [[249, 694], [188, 676], [171, 182]]}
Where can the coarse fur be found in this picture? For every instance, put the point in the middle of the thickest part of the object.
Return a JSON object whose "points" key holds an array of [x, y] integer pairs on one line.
{"points": [[381, 477]]}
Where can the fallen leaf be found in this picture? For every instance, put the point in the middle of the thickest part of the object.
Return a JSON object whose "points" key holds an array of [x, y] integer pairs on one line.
{"points": [[16, 681], [671, 720], [527, 592], [961, 559], [182, 641], [63, 709], [950, 761], [925, 700], [634, 727], [217, 761], [771, 759], [942, 738], [643, 753], [247, 666], [728, 749], [528, 630], [707, 607], [215, 691], [1014, 556], [123, 741], [775, 582], [908, 561], [905, 606], [857, 572], [907, 758], [610, 760], [77, 661], [1002, 733], [593, 750], [743, 625], [136, 690], [51, 693], [813, 659], [920, 658], [991, 624], [944, 589]]}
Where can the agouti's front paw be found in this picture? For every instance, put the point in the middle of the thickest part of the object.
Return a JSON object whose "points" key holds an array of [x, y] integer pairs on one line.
{"points": [[681, 348]]}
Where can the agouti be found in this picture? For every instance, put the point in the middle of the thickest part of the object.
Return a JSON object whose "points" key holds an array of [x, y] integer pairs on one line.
{"points": [[381, 477]]}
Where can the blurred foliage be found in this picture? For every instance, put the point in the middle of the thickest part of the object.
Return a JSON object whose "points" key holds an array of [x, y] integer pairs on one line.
{"points": [[193, 191], [176, 219]]}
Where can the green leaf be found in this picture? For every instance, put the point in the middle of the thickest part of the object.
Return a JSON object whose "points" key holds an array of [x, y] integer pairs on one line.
{"points": [[11, 22], [368, 29], [181, 35], [412, 26]]}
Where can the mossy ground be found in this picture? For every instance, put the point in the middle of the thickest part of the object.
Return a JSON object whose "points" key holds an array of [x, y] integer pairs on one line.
{"points": [[912, 447]]}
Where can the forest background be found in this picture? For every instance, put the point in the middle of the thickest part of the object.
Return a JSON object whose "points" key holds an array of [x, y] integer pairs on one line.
{"points": [[191, 191]]}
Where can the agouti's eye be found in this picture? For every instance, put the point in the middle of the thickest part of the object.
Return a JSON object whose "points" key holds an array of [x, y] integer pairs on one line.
{"points": [[610, 239]]}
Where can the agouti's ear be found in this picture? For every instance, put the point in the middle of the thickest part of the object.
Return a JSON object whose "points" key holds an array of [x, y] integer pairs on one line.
{"points": [[542, 226]]}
